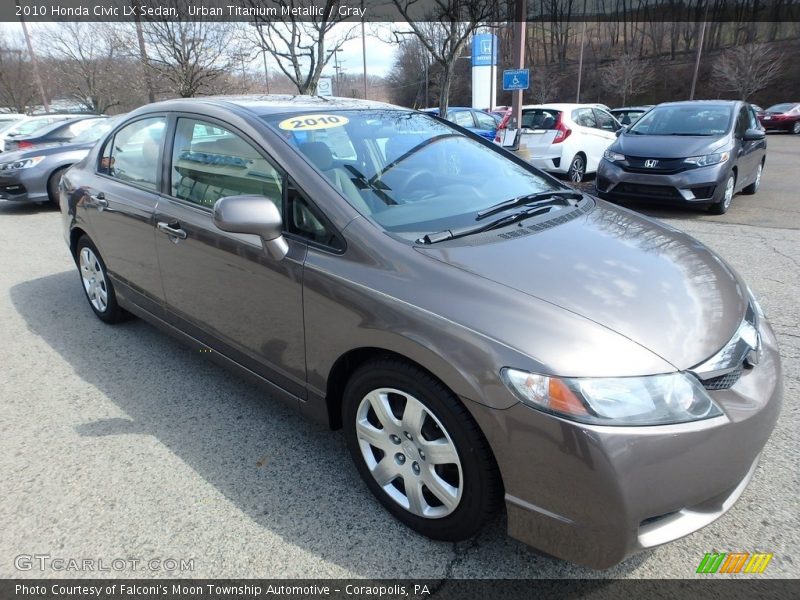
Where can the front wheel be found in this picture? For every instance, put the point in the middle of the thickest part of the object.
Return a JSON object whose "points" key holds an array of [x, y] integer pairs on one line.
{"points": [[724, 203], [52, 185], [419, 451], [753, 187], [796, 128]]}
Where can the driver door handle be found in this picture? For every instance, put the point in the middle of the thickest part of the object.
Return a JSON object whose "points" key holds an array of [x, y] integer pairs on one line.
{"points": [[173, 230], [99, 200]]}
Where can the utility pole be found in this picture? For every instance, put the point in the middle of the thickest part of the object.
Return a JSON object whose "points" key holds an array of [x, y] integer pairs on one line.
{"points": [[148, 80], [699, 51], [580, 58], [34, 63], [364, 50], [520, 25]]}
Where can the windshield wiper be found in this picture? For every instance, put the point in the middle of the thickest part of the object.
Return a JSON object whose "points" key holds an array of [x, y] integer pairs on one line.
{"points": [[450, 234], [555, 197]]}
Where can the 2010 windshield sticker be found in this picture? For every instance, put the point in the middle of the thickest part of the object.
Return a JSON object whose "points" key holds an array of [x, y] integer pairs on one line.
{"points": [[309, 122]]}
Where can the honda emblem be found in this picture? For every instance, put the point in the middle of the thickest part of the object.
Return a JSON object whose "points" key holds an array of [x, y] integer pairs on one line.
{"points": [[650, 163]]}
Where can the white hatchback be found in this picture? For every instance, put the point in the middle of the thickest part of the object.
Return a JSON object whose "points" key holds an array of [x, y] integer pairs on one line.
{"points": [[568, 139]]}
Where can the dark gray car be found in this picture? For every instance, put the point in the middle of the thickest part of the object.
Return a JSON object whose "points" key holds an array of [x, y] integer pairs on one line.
{"points": [[700, 153], [33, 175], [484, 335]]}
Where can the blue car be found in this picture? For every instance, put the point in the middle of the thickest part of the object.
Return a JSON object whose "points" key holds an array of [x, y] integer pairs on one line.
{"points": [[477, 121]]}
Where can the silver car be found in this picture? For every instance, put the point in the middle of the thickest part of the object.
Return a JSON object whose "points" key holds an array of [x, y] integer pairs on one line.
{"points": [[484, 335]]}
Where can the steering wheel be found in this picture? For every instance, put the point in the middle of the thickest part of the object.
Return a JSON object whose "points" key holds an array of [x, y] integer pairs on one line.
{"points": [[415, 178]]}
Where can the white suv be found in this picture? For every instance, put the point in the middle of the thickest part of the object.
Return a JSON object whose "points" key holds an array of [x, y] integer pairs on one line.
{"points": [[565, 138]]}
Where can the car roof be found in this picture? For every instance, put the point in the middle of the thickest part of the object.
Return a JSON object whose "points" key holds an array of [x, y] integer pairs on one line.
{"points": [[561, 106], [273, 103], [701, 103], [642, 107]]}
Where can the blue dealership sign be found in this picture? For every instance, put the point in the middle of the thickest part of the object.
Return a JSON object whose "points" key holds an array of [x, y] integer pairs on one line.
{"points": [[515, 79], [484, 50]]}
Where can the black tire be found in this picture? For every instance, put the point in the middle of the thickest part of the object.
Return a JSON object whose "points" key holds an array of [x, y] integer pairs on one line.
{"points": [[721, 206], [753, 187], [111, 312], [481, 486], [577, 168], [52, 185]]}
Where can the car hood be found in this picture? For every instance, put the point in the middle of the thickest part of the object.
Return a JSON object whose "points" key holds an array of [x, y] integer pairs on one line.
{"points": [[667, 146], [654, 285]]}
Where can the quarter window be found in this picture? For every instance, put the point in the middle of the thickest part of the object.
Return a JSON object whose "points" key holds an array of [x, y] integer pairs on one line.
{"points": [[132, 155], [210, 162], [485, 122]]}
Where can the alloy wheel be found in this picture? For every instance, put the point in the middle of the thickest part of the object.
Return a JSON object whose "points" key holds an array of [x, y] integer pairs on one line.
{"points": [[409, 453], [94, 281], [757, 181], [577, 169], [796, 127]]}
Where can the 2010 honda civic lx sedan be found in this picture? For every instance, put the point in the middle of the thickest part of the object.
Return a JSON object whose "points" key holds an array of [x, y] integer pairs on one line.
{"points": [[482, 333]]}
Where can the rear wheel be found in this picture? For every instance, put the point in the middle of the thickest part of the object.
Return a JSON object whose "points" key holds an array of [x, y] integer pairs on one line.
{"points": [[419, 451], [724, 203], [52, 185], [96, 283], [577, 169], [753, 187], [796, 128]]}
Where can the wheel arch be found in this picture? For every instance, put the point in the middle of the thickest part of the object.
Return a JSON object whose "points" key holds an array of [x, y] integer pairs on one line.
{"points": [[347, 364], [75, 234]]}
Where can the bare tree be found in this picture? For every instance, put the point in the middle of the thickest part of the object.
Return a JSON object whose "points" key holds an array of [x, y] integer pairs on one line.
{"points": [[189, 55], [17, 90], [89, 61], [301, 45], [626, 76], [545, 85], [445, 33], [745, 70]]}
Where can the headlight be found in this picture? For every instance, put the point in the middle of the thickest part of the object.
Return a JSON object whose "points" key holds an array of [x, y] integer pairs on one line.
{"points": [[652, 400], [612, 156], [708, 159], [25, 163]]}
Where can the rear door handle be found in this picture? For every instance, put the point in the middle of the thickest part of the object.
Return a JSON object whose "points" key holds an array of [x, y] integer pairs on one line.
{"points": [[173, 230], [99, 200]]}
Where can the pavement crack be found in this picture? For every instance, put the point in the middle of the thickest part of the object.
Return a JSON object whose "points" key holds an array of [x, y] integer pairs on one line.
{"points": [[460, 550]]}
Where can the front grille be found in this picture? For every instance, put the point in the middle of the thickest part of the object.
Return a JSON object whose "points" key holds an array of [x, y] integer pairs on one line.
{"points": [[653, 191], [663, 166], [723, 382]]}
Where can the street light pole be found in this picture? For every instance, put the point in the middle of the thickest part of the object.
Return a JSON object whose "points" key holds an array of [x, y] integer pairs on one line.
{"points": [[364, 50]]}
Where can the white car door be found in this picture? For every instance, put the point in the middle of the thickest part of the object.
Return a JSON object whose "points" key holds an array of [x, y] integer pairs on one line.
{"points": [[592, 140]]}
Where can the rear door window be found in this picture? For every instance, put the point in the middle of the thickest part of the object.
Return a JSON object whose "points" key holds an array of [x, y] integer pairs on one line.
{"points": [[485, 122], [462, 118], [605, 121], [584, 117]]}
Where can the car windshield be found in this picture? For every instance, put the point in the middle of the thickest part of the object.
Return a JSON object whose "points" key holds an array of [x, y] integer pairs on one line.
{"points": [[692, 120], [406, 170]]}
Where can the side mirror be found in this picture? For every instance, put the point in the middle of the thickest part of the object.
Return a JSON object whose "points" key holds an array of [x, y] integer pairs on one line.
{"points": [[619, 131], [256, 215], [753, 135]]}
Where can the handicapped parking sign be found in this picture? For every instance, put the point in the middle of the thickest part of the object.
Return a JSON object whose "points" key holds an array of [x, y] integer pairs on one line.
{"points": [[515, 79]]}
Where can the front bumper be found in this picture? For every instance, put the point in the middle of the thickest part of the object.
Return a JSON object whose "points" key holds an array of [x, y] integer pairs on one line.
{"points": [[595, 495], [24, 185], [695, 186]]}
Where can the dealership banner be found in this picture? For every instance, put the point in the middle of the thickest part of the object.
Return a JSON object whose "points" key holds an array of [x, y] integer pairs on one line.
{"points": [[339, 589], [397, 10]]}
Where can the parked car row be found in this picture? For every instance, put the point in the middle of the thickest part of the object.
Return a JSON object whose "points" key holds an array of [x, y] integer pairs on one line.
{"points": [[32, 172], [700, 153]]}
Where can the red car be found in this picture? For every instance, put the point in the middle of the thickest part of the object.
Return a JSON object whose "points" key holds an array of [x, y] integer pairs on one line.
{"points": [[782, 117]]}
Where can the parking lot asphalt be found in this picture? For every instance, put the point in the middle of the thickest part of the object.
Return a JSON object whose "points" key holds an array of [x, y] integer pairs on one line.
{"points": [[120, 443]]}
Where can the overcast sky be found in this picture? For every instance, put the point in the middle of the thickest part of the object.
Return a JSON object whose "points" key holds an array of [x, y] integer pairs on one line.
{"points": [[380, 55]]}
